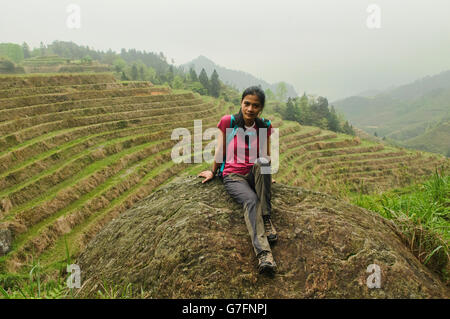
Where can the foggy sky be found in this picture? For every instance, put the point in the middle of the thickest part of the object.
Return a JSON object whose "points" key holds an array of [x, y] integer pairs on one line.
{"points": [[320, 46]]}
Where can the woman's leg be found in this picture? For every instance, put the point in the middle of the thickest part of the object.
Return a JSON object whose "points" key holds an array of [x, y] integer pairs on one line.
{"points": [[262, 185], [238, 188], [260, 179]]}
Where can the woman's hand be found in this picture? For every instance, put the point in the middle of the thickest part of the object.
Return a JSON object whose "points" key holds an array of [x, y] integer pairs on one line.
{"points": [[207, 174]]}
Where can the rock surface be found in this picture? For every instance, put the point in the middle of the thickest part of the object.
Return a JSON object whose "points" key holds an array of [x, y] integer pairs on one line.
{"points": [[189, 240]]}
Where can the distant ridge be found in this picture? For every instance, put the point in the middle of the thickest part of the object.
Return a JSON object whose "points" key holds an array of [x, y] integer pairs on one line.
{"points": [[239, 79], [405, 113]]}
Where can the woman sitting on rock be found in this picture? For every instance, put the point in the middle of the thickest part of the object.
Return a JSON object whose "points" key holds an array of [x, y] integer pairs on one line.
{"points": [[245, 140]]}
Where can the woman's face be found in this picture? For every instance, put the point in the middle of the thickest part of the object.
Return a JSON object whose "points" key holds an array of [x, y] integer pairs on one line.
{"points": [[251, 107]]}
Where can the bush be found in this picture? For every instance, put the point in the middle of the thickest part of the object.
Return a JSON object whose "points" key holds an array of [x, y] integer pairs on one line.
{"points": [[6, 66]]}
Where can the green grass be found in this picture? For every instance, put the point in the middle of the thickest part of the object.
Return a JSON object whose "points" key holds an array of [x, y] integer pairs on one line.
{"points": [[422, 212], [40, 282]]}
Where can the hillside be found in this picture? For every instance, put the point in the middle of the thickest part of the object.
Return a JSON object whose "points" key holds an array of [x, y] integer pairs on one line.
{"points": [[188, 240], [77, 150], [238, 79], [336, 163], [440, 134], [55, 63], [404, 112]]}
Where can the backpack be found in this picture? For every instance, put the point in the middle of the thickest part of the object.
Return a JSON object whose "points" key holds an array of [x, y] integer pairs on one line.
{"points": [[230, 138]]}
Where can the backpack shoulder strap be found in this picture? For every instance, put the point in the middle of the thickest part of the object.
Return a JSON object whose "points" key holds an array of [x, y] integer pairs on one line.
{"points": [[229, 138], [233, 133], [267, 122]]}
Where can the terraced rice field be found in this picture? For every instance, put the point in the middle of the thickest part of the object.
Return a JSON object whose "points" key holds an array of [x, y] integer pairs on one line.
{"points": [[54, 63], [77, 150], [337, 163]]}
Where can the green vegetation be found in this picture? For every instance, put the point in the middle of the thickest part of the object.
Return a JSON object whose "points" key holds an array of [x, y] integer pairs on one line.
{"points": [[422, 212], [12, 52], [309, 111], [434, 139], [8, 67], [134, 65], [40, 282]]}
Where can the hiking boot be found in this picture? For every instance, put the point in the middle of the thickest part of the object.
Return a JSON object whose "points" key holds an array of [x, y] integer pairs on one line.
{"points": [[266, 263], [270, 231]]}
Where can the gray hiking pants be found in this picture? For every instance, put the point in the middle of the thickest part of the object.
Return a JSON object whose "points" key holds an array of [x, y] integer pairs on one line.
{"points": [[253, 192]]}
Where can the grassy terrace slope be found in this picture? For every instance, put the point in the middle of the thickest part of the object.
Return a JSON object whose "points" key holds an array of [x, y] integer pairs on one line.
{"points": [[337, 163], [55, 63], [77, 150]]}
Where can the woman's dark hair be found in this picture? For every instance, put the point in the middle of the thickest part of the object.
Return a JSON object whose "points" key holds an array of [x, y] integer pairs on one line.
{"points": [[252, 90]]}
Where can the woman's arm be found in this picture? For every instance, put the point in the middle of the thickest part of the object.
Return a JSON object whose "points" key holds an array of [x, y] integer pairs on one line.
{"points": [[220, 151], [218, 159]]}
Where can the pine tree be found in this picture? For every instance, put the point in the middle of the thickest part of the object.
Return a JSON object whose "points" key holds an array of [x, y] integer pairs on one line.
{"points": [[203, 78], [193, 75], [347, 129], [333, 121], [321, 107], [215, 84], [290, 110], [319, 111]]}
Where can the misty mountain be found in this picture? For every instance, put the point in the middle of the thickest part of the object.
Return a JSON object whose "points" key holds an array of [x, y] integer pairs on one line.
{"points": [[238, 79], [369, 93], [404, 113]]}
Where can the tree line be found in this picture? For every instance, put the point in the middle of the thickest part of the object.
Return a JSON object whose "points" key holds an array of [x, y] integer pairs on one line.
{"points": [[129, 64], [138, 65], [312, 111]]}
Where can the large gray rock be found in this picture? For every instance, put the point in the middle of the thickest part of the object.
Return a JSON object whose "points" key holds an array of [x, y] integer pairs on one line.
{"points": [[189, 240]]}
